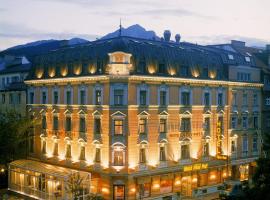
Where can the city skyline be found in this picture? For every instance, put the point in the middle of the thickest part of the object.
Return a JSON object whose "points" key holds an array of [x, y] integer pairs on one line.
{"points": [[204, 22]]}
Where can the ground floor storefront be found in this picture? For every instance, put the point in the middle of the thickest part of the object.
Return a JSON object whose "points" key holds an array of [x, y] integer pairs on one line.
{"points": [[197, 180]]}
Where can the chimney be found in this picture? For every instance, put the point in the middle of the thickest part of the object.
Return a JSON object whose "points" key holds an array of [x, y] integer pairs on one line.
{"points": [[167, 35], [238, 43], [177, 38]]}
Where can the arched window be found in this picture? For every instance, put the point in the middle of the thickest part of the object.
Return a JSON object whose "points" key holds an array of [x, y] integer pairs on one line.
{"points": [[118, 154], [185, 148]]}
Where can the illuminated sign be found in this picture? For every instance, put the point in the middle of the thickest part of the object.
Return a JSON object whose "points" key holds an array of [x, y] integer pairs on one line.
{"points": [[194, 167], [219, 155]]}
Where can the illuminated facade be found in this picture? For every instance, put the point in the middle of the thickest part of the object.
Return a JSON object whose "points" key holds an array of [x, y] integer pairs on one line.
{"points": [[147, 119]]}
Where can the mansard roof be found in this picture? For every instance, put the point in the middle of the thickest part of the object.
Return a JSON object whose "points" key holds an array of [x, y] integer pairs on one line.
{"points": [[148, 52]]}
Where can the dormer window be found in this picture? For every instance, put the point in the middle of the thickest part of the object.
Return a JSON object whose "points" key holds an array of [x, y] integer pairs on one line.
{"points": [[247, 58], [161, 68], [119, 63], [230, 56]]}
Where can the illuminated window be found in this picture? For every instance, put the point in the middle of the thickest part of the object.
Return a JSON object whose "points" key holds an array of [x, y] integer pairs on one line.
{"points": [[118, 97], [247, 58], [118, 158], [185, 98], [142, 97], [185, 124], [185, 152], [163, 125], [142, 126], [55, 149], [162, 153], [230, 56], [142, 155], [68, 150], [55, 97], [44, 144], [118, 127], [144, 190]]}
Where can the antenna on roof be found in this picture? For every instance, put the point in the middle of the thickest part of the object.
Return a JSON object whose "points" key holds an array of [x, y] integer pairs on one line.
{"points": [[120, 28]]}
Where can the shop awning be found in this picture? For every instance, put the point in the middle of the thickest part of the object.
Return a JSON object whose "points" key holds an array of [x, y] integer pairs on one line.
{"points": [[44, 168]]}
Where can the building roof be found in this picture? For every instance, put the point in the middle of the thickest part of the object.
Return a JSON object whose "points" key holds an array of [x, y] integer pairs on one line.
{"points": [[16, 68]]}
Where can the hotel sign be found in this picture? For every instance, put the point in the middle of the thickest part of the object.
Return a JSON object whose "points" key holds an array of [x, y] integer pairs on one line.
{"points": [[195, 167], [219, 155]]}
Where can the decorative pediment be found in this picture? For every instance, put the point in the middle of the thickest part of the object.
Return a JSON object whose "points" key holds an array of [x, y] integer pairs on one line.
{"points": [[118, 114], [221, 112], [67, 112], [55, 111], [163, 113], [143, 114], [186, 114], [208, 112], [82, 112], [96, 114]]}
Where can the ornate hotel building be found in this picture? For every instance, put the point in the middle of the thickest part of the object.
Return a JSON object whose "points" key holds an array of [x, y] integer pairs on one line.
{"points": [[147, 119]]}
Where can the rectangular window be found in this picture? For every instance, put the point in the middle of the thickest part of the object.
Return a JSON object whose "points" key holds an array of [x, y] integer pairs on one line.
{"points": [[82, 124], [98, 97], [118, 158], [142, 126], [44, 123], [267, 121], [206, 149], [220, 99], [31, 98], [55, 122], [118, 127], [118, 97], [11, 100], [245, 122], [267, 101], [234, 99], [161, 68], [97, 126], [163, 96], [68, 123], [185, 152], [185, 124], [255, 122], [205, 72], [163, 125], [19, 98], [55, 97], [245, 144], [141, 67], [68, 97], [3, 98], [206, 124], [162, 153], [97, 156], [142, 97], [82, 153], [68, 151], [184, 71], [207, 99], [245, 100], [44, 97], [255, 99], [142, 155], [233, 122], [185, 98], [255, 144], [82, 97], [233, 146], [145, 189]]}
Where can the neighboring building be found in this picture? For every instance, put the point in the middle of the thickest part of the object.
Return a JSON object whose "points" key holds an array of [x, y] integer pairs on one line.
{"points": [[14, 71], [147, 119]]}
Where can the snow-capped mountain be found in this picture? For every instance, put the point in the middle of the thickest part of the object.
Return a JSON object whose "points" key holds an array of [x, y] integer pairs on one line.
{"points": [[135, 30]]}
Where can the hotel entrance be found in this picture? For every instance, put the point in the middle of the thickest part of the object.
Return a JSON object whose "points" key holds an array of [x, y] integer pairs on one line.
{"points": [[186, 186], [118, 192]]}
